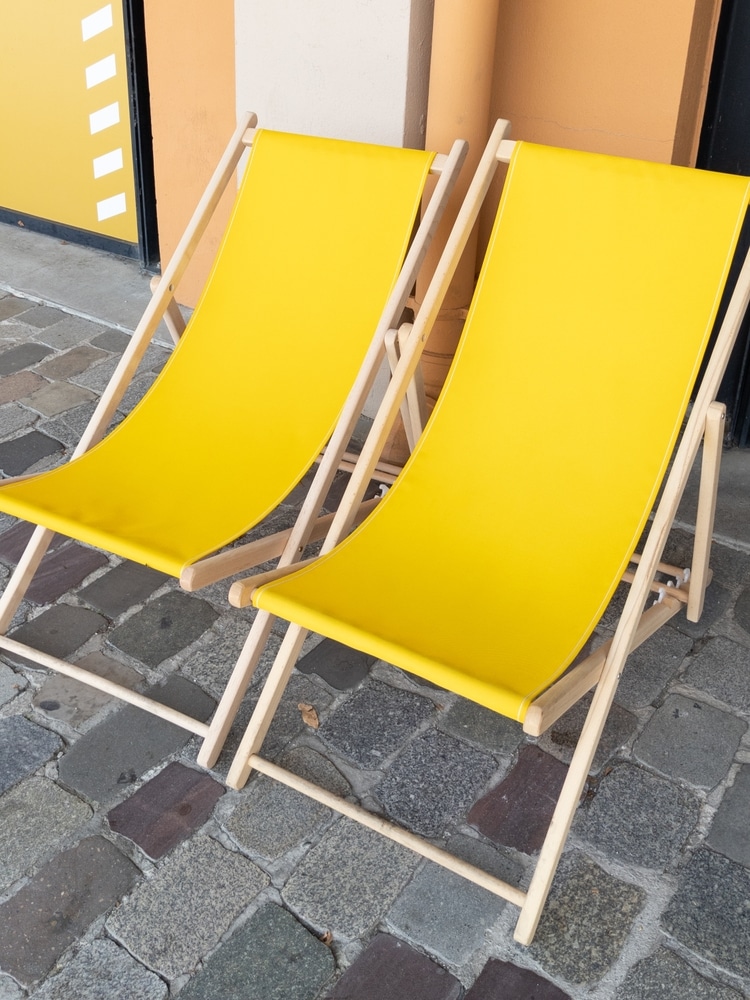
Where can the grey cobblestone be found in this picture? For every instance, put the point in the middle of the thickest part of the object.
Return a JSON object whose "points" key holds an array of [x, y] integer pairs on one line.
{"points": [[730, 830], [23, 747], [665, 817], [130, 742], [588, 916], [102, 971], [45, 813], [710, 914], [374, 723], [287, 962], [663, 976], [348, 881], [690, 740], [449, 774], [177, 917]]}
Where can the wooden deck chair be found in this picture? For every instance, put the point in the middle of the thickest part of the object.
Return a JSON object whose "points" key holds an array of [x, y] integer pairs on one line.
{"points": [[315, 266], [489, 563]]}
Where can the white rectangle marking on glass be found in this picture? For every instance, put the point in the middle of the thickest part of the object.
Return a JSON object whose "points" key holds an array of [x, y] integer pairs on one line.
{"points": [[110, 206], [108, 163], [104, 118], [97, 22], [100, 71]]}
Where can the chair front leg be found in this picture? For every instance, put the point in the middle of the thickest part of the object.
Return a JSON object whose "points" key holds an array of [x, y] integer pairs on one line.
{"points": [[23, 574]]}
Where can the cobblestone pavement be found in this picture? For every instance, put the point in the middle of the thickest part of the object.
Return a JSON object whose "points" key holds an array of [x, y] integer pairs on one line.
{"points": [[126, 871]]}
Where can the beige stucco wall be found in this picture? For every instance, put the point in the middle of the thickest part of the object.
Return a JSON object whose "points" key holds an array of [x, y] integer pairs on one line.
{"points": [[192, 85]]}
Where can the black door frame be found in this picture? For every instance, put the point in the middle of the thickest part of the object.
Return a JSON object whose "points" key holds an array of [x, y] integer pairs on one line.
{"points": [[725, 146]]}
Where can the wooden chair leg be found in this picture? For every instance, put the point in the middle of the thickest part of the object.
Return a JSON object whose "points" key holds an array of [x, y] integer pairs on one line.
{"points": [[22, 575], [268, 702], [235, 690], [713, 440], [571, 792]]}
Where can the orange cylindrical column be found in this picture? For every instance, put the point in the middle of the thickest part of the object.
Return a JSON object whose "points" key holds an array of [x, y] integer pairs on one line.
{"points": [[463, 51]]}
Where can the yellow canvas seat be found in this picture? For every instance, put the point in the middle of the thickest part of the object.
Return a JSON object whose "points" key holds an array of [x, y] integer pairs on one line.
{"points": [[291, 319], [492, 558]]}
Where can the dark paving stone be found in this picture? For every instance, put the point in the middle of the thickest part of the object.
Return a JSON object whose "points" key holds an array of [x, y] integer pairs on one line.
{"points": [[374, 723], [561, 738], [469, 721], [586, 921], [709, 913], [721, 669], [15, 539], [501, 979], [15, 359], [102, 971], [650, 668], [72, 362], [171, 921], [58, 904], [664, 976], [348, 881], [11, 305], [19, 386], [62, 570], [167, 809], [729, 831], [122, 587], [11, 684], [517, 812], [486, 856], [637, 817], [313, 766], [388, 968], [21, 453], [435, 780], [340, 666], [444, 914], [272, 818], [55, 398], [742, 610], [271, 957], [114, 754], [164, 627], [24, 746], [43, 316], [690, 740], [717, 601], [58, 631], [63, 698], [111, 340]]}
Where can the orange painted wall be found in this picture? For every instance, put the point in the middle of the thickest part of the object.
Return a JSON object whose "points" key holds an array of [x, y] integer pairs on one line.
{"points": [[192, 85], [603, 75]]}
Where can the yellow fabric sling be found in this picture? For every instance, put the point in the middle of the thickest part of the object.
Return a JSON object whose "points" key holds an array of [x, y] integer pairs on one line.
{"points": [[490, 561], [251, 393]]}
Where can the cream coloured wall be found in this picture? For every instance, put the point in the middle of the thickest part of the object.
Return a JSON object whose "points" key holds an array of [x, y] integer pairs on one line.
{"points": [[351, 69]]}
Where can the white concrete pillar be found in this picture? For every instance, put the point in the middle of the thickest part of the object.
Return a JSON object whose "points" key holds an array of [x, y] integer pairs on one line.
{"points": [[350, 69]]}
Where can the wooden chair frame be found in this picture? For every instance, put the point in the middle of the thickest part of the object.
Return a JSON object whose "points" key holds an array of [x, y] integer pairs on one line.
{"points": [[286, 545], [602, 669]]}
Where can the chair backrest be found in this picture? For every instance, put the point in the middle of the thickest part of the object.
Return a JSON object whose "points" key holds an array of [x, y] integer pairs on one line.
{"points": [[249, 397], [516, 515]]}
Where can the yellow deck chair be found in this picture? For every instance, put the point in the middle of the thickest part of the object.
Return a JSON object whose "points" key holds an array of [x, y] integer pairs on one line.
{"points": [[306, 283], [489, 563]]}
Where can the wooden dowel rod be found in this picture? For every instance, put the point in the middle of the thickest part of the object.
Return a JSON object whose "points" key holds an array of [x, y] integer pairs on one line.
{"points": [[382, 826], [107, 686]]}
